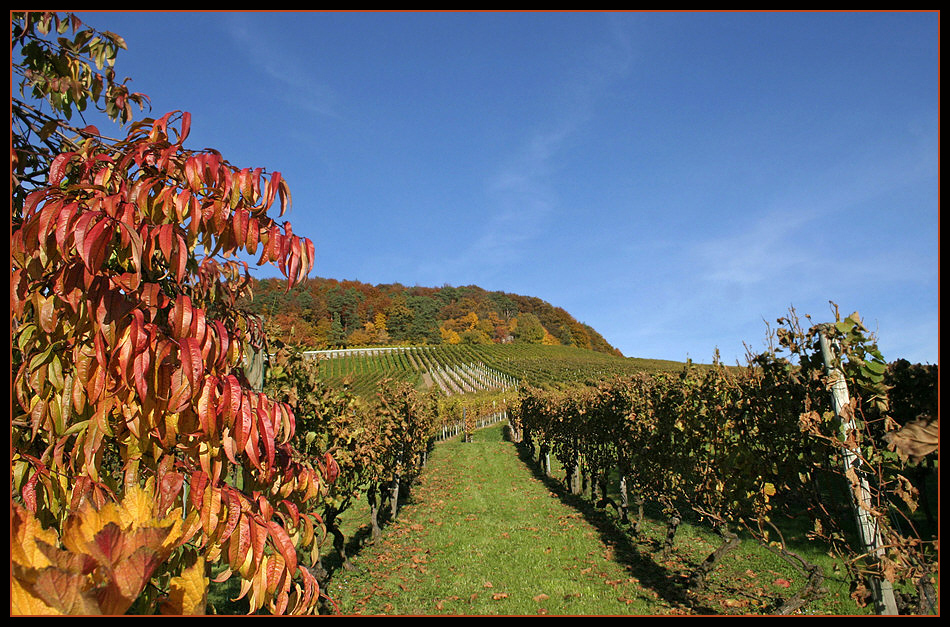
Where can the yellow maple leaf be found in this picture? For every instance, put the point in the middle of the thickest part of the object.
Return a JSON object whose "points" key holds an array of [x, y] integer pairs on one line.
{"points": [[188, 592], [23, 603], [24, 533]]}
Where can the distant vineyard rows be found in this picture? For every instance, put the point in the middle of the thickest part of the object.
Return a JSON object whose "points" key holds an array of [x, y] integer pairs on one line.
{"points": [[462, 369]]}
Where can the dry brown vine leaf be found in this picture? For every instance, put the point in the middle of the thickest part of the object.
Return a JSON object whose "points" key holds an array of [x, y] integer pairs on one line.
{"points": [[915, 440]]}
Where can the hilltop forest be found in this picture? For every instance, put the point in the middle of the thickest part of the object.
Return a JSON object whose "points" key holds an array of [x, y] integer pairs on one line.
{"points": [[323, 313]]}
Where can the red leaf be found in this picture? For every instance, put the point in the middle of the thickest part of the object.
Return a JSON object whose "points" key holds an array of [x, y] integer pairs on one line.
{"points": [[182, 201], [285, 200], [185, 127], [106, 546], [239, 226], [253, 235], [196, 215], [272, 186], [172, 483], [332, 468], [28, 492], [234, 511], [293, 263], [49, 210], [181, 258], [199, 482], [165, 236], [266, 429], [57, 169], [292, 510], [284, 544], [230, 448], [229, 406], [191, 362], [243, 426], [94, 245], [258, 538], [199, 330], [251, 445], [64, 223]]}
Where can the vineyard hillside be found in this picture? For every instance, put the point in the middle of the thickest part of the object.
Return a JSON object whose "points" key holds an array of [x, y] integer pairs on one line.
{"points": [[470, 368]]}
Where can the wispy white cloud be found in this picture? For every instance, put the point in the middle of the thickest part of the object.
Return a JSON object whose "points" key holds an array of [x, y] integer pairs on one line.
{"points": [[770, 248], [298, 86], [523, 193]]}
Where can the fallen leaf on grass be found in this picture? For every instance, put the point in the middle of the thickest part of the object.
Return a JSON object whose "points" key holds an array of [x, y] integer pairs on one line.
{"points": [[499, 595], [541, 597], [782, 582]]}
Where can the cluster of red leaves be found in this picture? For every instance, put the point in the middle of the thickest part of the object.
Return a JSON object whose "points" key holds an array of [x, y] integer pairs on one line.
{"points": [[129, 351]]}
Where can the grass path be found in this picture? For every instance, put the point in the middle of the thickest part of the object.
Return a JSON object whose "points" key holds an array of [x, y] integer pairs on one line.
{"points": [[483, 535]]}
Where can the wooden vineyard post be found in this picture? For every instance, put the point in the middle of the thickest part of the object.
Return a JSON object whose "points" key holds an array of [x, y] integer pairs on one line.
{"points": [[861, 494], [254, 367]]}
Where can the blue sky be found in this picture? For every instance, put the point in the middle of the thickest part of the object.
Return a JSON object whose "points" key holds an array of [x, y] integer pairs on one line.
{"points": [[674, 180]]}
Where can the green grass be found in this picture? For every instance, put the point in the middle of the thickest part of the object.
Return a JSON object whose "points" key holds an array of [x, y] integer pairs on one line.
{"points": [[484, 534]]}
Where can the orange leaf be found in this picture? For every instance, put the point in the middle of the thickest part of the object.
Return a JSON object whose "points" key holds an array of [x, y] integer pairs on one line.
{"points": [[211, 506], [207, 418], [180, 316]]}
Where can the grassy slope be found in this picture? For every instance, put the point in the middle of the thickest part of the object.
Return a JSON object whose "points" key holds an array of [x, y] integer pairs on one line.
{"points": [[484, 535]]}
